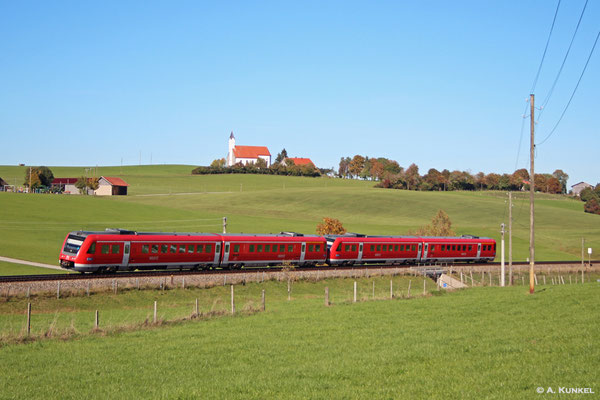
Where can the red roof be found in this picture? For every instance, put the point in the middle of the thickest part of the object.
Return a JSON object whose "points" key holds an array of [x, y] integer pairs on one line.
{"points": [[301, 161], [64, 181], [115, 181], [250, 151]]}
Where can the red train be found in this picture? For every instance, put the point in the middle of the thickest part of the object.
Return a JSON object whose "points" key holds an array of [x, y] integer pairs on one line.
{"points": [[122, 250]]}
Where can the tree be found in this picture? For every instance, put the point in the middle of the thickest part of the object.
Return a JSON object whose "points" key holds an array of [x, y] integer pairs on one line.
{"points": [[562, 178], [356, 165], [81, 184], [218, 163], [480, 180], [553, 185], [412, 176], [330, 226], [260, 164], [587, 194], [376, 169], [440, 226], [540, 182], [344, 167], [492, 181], [518, 178], [40, 176], [281, 156], [592, 206]]}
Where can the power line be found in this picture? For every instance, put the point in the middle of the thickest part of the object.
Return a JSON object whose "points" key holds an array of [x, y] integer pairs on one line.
{"points": [[545, 102], [574, 90], [545, 49]]}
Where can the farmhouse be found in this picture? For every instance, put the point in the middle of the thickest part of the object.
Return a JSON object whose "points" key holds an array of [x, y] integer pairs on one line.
{"points": [[298, 161], [578, 187], [246, 154], [107, 186]]}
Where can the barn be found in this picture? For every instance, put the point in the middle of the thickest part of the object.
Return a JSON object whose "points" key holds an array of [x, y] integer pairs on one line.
{"points": [[111, 186]]}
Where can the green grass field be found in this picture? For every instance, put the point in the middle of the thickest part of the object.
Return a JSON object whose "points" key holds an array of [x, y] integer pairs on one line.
{"points": [[478, 343], [168, 198]]}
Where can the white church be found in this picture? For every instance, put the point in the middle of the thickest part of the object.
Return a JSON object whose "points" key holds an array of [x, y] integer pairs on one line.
{"points": [[246, 154]]}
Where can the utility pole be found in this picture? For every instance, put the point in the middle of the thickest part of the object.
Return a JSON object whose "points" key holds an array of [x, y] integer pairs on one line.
{"points": [[582, 255], [502, 271], [510, 272], [531, 196], [224, 224]]}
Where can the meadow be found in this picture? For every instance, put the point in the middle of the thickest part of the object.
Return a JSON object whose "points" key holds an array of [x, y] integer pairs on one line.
{"points": [[168, 198], [482, 342]]}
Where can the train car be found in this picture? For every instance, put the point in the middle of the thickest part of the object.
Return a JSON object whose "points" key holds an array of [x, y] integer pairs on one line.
{"points": [[464, 248], [121, 250], [241, 250], [353, 248]]}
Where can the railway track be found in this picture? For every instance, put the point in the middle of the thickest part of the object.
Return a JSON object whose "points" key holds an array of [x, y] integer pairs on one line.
{"points": [[166, 273]]}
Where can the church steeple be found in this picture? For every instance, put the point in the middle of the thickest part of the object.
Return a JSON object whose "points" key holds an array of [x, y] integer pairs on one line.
{"points": [[230, 155]]}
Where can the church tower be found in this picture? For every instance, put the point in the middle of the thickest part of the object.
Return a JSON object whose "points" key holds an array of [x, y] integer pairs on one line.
{"points": [[230, 156]]}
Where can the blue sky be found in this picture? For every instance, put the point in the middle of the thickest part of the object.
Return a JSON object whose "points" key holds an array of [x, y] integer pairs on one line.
{"points": [[441, 84]]}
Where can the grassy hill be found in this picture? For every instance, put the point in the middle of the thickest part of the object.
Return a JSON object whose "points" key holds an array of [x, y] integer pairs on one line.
{"points": [[169, 198]]}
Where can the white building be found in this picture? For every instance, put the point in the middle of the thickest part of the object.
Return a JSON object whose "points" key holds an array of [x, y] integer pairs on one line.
{"points": [[578, 187], [246, 154]]}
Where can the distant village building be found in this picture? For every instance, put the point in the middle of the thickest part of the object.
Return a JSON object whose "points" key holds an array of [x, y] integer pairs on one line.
{"points": [[107, 186], [246, 154], [298, 161], [578, 187]]}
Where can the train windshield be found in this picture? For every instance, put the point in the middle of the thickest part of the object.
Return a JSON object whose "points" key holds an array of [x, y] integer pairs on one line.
{"points": [[73, 244]]}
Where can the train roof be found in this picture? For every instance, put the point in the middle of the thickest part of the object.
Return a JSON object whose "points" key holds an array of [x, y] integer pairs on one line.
{"points": [[359, 235], [135, 233]]}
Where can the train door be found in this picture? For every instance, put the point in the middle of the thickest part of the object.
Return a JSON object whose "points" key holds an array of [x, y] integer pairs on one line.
{"points": [[217, 253], [126, 251], [419, 252], [360, 250], [478, 250], [303, 253], [425, 251], [226, 253]]}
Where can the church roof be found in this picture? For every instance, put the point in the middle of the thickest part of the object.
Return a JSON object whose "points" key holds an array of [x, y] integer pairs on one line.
{"points": [[231, 136], [250, 151]]}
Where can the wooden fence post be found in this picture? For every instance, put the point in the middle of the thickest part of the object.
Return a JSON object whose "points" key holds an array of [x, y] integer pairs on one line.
{"points": [[232, 301], [115, 286], [391, 289], [28, 318], [408, 294], [472, 282], [570, 282], [96, 320], [289, 290], [544, 279], [58, 290], [354, 291], [197, 307], [424, 287], [373, 290], [461, 277], [28, 291], [535, 279], [87, 290], [137, 283], [263, 300], [183, 282], [582, 278], [327, 296], [154, 319]]}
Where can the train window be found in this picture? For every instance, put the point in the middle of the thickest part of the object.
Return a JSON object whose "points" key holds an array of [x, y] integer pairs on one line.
{"points": [[494, 246], [182, 248], [236, 248], [145, 248], [347, 247], [470, 247], [396, 248], [104, 249], [251, 248], [353, 247], [267, 248], [281, 248], [290, 248], [443, 247], [318, 247], [173, 248], [311, 247], [92, 248], [199, 248], [154, 248], [227, 248], [372, 247], [414, 247], [164, 248], [401, 247], [378, 247], [190, 248], [259, 248], [115, 248], [384, 247], [432, 247]]}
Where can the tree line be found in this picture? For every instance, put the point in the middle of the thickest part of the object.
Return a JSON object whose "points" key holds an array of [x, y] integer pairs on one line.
{"points": [[591, 197], [390, 175]]}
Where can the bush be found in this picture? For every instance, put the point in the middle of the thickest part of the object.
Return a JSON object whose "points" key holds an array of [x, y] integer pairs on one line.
{"points": [[592, 206]]}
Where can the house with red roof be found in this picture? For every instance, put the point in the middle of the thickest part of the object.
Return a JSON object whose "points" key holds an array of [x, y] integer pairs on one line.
{"points": [[246, 154], [111, 186], [298, 161]]}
